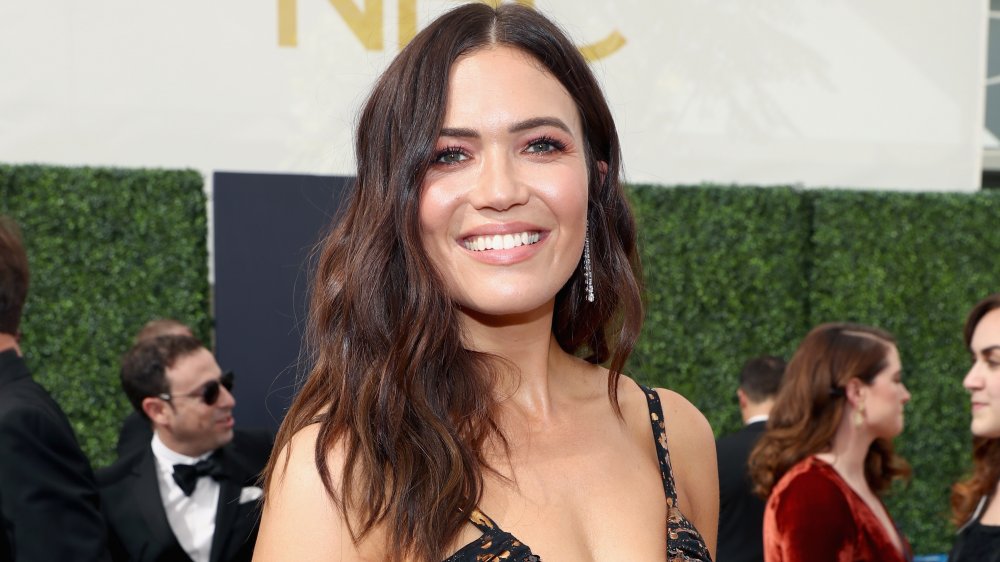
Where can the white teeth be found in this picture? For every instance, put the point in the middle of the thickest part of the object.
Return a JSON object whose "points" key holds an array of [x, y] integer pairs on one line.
{"points": [[500, 242]]}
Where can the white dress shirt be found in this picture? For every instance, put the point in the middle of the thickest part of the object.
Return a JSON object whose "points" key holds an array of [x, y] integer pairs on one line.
{"points": [[191, 518], [755, 419]]}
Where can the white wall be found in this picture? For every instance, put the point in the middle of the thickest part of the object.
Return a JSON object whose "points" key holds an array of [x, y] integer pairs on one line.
{"points": [[847, 93]]}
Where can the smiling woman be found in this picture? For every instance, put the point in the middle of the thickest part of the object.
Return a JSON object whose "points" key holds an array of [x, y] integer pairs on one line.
{"points": [[471, 315]]}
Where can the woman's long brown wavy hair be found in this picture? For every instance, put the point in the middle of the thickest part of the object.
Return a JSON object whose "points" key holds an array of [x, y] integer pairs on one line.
{"points": [[965, 495], [391, 381], [810, 405]]}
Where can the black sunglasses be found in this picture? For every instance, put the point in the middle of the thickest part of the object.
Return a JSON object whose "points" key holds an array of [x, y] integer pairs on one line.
{"points": [[209, 393]]}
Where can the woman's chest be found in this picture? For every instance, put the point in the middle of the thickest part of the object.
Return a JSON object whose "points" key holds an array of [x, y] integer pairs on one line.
{"points": [[603, 502]]}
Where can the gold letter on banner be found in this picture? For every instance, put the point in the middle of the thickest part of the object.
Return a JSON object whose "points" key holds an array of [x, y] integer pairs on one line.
{"points": [[604, 47], [591, 52], [366, 25], [407, 21], [287, 24]]}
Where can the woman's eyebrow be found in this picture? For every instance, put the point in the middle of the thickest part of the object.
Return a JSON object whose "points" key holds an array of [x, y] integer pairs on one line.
{"points": [[527, 124], [459, 132], [536, 122]]}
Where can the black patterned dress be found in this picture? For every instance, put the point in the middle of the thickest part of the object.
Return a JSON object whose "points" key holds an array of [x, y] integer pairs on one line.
{"points": [[684, 544]]}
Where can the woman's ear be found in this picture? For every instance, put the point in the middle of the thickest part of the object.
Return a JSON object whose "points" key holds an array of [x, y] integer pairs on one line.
{"points": [[855, 391], [602, 171]]}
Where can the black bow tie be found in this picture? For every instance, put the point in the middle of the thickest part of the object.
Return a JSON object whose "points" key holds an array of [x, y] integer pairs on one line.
{"points": [[187, 475]]}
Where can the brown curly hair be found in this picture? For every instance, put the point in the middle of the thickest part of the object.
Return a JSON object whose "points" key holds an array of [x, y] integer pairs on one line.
{"points": [[810, 405]]}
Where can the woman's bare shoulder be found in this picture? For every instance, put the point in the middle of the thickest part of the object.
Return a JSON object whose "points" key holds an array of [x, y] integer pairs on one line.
{"points": [[301, 520], [678, 412]]}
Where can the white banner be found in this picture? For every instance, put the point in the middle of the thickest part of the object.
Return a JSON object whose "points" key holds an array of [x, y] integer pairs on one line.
{"points": [[825, 93]]}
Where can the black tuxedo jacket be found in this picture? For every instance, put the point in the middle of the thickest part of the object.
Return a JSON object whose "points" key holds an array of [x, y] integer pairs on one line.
{"points": [[48, 498], [741, 513], [137, 522]]}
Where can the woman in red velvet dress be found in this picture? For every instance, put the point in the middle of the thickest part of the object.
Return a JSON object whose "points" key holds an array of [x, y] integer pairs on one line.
{"points": [[827, 452], [975, 502]]}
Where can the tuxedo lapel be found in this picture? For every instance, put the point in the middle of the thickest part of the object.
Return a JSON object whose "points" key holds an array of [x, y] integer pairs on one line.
{"points": [[146, 492], [227, 510], [225, 517]]}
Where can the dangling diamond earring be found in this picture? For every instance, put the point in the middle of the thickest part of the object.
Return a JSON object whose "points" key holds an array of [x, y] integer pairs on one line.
{"points": [[588, 273]]}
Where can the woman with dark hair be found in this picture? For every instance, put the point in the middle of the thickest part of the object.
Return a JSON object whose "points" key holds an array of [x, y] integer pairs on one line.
{"points": [[481, 274], [974, 502], [827, 453]]}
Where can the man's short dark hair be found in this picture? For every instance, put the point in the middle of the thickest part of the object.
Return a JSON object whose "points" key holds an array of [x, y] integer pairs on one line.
{"points": [[144, 367], [761, 377], [161, 327], [13, 276]]}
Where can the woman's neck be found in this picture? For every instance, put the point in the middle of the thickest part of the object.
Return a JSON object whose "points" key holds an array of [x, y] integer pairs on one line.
{"points": [[848, 451], [532, 358]]}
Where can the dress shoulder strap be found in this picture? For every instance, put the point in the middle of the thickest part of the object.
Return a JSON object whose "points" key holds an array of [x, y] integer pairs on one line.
{"points": [[975, 514], [483, 523], [660, 437]]}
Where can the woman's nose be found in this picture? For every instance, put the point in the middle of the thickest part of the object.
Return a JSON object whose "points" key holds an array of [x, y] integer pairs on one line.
{"points": [[499, 185], [972, 380]]}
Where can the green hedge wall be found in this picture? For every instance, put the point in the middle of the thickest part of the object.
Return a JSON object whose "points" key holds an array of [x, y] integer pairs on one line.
{"points": [[914, 265], [109, 249], [737, 272], [724, 282], [731, 273]]}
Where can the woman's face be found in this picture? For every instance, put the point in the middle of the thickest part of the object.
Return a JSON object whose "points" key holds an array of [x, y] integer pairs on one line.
{"points": [[885, 398], [983, 379], [503, 206]]}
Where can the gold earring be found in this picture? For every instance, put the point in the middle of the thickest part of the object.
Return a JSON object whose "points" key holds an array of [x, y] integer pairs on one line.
{"points": [[858, 417]]}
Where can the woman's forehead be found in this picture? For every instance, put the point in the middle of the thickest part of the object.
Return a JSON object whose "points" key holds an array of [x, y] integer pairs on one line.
{"points": [[501, 83]]}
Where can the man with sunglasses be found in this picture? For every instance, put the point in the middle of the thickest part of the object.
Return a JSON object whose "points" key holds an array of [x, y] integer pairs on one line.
{"points": [[191, 493]]}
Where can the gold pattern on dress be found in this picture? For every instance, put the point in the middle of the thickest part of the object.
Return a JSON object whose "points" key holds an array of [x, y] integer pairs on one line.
{"points": [[477, 517]]}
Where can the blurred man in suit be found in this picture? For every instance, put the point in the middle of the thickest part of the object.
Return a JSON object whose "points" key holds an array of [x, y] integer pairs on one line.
{"points": [[48, 499], [741, 513], [190, 493]]}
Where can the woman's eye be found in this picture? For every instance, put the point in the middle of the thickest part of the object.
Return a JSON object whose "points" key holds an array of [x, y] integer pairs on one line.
{"points": [[543, 145], [451, 156]]}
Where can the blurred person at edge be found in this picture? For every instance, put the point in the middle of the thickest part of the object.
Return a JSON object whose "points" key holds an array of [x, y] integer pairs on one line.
{"points": [[482, 274], [48, 497], [741, 512], [827, 453], [975, 502]]}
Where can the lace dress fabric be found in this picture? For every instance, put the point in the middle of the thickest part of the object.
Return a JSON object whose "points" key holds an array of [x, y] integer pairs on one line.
{"points": [[684, 544]]}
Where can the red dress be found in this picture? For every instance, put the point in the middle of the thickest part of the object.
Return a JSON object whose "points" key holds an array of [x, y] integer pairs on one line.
{"points": [[813, 515]]}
